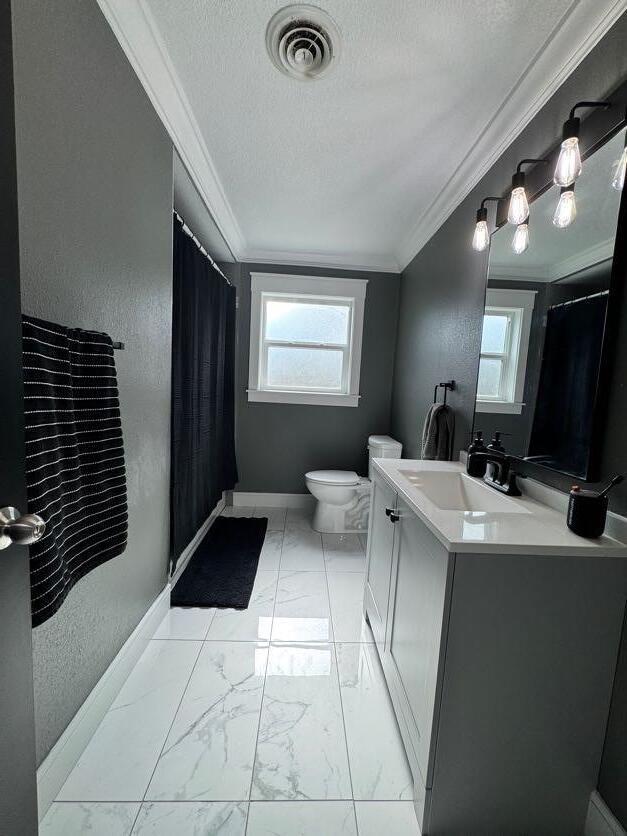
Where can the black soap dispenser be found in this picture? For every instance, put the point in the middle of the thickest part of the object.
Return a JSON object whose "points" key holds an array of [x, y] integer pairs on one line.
{"points": [[496, 443], [587, 510], [476, 465]]}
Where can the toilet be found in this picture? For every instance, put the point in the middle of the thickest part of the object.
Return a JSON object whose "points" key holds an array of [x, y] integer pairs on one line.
{"points": [[343, 497]]}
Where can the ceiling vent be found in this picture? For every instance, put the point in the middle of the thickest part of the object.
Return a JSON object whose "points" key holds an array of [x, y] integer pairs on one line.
{"points": [[303, 42]]}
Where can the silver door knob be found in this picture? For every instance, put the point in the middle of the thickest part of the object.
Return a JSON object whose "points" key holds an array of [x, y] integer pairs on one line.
{"points": [[22, 530]]}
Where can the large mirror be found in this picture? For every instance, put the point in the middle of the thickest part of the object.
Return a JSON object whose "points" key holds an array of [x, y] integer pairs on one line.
{"points": [[544, 325]]}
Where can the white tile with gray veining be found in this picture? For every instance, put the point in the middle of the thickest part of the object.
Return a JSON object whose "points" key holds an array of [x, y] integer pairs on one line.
{"points": [[343, 553], [346, 594], [185, 623], [252, 624], [270, 557], [302, 550], [301, 748], [209, 752], [275, 516], [302, 611], [397, 818], [119, 759], [253, 722], [191, 818], [301, 818], [66, 818], [299, 518], [379, 768]]}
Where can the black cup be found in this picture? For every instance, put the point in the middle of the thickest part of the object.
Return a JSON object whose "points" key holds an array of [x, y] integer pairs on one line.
{"points": [[587, 512]]}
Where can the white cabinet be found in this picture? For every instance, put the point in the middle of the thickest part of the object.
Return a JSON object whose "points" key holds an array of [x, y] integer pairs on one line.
{"points": [[415, 623], [380, 552], [500, 671]]}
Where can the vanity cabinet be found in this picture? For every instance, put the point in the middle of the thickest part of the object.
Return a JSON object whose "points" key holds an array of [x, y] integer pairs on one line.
{"points": [[500, 669], [417, 605], [381, 547]]}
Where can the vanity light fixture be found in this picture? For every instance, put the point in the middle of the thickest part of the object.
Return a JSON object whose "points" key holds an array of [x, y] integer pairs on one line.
{"points": [[566, 209], [568, 166], [621, 169], [520, 242], [518, 211], [481, 238]]}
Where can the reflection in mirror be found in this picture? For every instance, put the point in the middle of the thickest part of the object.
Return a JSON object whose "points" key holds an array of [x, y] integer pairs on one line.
{"points": [[544, 323]]}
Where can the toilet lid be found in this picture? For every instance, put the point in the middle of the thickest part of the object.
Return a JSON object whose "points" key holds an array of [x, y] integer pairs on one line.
{"points": [[333, 477]]}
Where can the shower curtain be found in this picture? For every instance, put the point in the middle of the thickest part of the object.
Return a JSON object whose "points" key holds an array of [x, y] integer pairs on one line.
{"points": [[203, 370], [562, 422]]}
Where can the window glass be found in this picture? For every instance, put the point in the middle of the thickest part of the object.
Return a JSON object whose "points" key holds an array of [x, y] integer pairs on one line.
{"points": [[490, 372], [494, 333], [305, 368], [308, 322]]}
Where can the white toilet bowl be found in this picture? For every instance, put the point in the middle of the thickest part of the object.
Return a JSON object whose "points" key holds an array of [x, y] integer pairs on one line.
{"points": [[343, 497], [343, 500]]}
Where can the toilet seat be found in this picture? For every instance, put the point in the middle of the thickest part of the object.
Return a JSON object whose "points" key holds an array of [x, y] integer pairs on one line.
{"points": [[343, 478]]}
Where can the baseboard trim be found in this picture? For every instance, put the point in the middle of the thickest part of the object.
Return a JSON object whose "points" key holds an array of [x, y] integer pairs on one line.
{"points": [[273, 500], [187, 553], [600, 820], [64, 755]]}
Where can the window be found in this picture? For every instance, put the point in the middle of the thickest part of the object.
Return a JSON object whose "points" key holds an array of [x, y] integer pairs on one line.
{"points": [[305, 339], [504, 347]]}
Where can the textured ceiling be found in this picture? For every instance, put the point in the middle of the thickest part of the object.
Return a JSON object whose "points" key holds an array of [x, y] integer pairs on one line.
{"points": [[342, 169]]}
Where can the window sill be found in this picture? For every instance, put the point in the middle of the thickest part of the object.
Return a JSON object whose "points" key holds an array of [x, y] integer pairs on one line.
{"points": [[500, 407], [310, 398]]}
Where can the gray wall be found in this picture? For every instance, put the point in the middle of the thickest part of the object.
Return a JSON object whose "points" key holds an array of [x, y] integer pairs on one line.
{"points": [[442, 299], [278, 443], [95, 202]]}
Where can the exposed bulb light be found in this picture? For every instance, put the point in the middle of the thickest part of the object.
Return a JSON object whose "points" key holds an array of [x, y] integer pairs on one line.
{"points": [[569, 166], [481, 237], [520, 241], [566, 209], [518, 211], [621, 169]]}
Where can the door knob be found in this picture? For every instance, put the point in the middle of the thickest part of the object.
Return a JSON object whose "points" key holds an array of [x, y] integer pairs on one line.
{"points": [[22, 530]]}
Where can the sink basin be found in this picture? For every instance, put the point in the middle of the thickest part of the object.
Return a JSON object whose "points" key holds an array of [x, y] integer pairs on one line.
{"points": [[453, 491]]}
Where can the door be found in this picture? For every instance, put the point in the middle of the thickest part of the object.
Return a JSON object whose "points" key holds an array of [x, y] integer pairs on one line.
{"points": [[417, 614], [18, 796], [380, 550]]}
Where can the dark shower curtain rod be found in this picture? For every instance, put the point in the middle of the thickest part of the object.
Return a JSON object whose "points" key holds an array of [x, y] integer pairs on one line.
{"points": [[188, 231], [581, 299]]}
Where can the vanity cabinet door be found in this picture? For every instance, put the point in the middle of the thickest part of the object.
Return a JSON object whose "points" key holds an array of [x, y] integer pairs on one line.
{"points": [[417, 610], [380, 549]]}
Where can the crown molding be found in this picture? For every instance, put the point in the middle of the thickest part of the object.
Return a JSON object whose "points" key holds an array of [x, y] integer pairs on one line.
{"points": [[134, 27], [337, 261], [578, 31], [590, 257]]}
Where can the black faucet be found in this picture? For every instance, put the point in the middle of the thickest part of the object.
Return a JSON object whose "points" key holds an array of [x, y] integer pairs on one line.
{"points": [[499, 474]]}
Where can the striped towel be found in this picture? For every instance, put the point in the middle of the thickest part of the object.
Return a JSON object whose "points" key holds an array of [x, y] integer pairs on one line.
{"points": [[75, 473]]}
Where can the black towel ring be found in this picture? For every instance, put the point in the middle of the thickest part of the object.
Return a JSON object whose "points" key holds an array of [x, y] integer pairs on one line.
{"points": [[446, 385]]}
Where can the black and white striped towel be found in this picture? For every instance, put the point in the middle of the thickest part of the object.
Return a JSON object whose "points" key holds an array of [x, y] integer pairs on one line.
{"points": [[75, 471]]}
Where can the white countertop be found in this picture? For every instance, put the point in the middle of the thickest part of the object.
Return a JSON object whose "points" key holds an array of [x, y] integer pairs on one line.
{"points": [[535, 528]]}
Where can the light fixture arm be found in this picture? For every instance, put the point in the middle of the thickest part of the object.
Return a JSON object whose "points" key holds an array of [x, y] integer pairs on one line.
{"points": [[519, 177], [573, 123], [482, 212]]}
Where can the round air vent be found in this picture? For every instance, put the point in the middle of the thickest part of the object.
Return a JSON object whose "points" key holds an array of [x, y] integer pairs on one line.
{"points": [[303, 41]]}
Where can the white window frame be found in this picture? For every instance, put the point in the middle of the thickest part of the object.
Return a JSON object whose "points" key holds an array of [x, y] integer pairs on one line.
{"points": [[320, 290], [518, 305]]}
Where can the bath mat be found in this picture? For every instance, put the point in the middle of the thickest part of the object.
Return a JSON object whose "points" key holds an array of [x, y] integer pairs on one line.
{"points": [[222, 570]]}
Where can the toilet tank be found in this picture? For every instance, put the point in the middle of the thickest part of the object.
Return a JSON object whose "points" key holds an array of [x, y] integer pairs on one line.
{"points": [[382, 447]]}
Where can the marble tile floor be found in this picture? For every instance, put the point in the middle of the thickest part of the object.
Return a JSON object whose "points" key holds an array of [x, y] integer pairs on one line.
{"points": [[274, 720]]}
